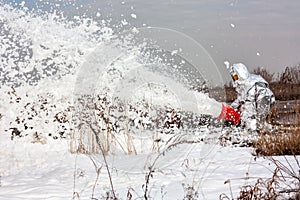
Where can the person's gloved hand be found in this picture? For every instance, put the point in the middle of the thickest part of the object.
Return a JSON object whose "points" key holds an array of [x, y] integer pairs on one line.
{"points": [[230, 115]]}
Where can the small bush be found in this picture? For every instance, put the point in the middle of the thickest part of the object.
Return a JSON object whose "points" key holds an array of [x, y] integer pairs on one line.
{"points": [[282, 142]]}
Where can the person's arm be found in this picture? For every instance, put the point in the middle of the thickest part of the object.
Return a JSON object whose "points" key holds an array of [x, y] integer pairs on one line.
{"points": [[241, 98], [235, 104]]}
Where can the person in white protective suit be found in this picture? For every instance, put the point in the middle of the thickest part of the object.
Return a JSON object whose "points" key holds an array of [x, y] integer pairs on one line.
{"points": [[254, 98]]}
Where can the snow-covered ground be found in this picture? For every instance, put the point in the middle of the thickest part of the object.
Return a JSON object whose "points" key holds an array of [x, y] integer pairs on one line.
{"points": [[62, 79], [191, 161], [49, 171]]}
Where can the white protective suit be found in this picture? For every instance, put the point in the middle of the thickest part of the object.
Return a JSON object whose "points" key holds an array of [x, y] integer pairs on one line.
{"points": [[254, 98]]}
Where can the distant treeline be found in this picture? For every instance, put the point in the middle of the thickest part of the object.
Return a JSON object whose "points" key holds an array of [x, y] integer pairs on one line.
{"points": [[285, 85]]}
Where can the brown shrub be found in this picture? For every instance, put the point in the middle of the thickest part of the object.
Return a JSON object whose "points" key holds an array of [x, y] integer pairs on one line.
{"points": [[282, 141], [284, 183]]}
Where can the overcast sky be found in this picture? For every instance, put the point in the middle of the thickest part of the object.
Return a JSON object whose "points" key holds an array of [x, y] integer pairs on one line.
{"points": [[259, 33], [263, 33]]}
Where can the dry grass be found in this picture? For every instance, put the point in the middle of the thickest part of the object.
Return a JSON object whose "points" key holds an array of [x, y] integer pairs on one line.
{"points": [[283, 184], [284, 141], [261, 189], [284, 138], [116, 125]]}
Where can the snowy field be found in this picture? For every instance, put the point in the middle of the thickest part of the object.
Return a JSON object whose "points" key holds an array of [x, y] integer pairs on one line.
{"points": [[64, 80], [49, 171], [37, 163]]}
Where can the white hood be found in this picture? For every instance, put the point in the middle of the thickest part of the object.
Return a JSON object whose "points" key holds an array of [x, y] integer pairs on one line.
{"points": [[242, 72]]}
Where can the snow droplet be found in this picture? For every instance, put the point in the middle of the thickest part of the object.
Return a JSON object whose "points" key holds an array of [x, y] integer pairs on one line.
{"points": [[135, 30], [133, 16], [174, 52], [124, 22], [22, 4], [227, 64], [258, 54], [232, 25], [98, 14]]}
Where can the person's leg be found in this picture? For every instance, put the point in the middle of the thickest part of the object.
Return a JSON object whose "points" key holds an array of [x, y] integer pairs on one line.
{"points": [[248, 116]]}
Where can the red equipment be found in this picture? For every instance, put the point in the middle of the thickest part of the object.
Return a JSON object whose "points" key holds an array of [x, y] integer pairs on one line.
{"points": [[230, 114]]}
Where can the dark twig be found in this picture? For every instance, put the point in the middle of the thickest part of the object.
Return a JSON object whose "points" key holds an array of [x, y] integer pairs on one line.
{"points": [[98, 170], [152, 166], [105, 161]]}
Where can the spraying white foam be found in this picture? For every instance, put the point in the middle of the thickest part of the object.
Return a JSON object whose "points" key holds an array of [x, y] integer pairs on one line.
{"points": [[50, 57]]}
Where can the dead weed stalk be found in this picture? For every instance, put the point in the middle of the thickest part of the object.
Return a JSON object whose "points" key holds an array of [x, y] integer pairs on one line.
{"points": [[171, 143], [105, 161], [284, 183]]}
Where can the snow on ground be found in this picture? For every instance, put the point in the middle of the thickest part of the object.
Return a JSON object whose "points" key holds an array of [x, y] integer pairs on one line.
{"points": [[42, 167], [49, 171]]}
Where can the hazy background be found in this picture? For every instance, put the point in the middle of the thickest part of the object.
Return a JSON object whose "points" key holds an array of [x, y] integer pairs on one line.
{"points": [[259, 33]]}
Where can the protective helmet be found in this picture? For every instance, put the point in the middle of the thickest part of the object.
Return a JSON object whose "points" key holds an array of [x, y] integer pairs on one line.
{"points": [[239, 73]]}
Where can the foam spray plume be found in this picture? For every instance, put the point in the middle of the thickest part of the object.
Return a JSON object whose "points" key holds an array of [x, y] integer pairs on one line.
{"points": [[47, 56]]}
